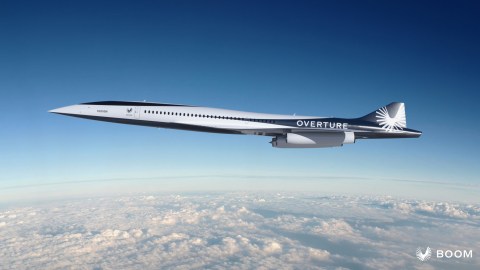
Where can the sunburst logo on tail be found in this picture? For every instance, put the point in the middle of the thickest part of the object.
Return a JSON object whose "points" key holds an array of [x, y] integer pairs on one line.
{"points": [[391, 124]]}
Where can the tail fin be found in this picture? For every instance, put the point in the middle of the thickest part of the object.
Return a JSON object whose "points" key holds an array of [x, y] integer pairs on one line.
{"points": [[391, 117]]}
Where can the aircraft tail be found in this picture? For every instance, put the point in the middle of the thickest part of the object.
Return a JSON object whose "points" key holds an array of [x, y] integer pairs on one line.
{"points": [[391, 117]]}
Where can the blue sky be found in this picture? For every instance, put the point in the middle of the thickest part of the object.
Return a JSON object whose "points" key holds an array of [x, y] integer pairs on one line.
{"points": [[341, 59]]}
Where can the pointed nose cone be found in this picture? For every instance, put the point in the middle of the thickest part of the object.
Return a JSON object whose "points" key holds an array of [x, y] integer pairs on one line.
{"points": [[62, 110], [58, 110], [68, 110]]}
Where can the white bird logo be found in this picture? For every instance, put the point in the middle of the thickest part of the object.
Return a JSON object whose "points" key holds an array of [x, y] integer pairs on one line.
{"points": [[424, 256], [392, 124]]}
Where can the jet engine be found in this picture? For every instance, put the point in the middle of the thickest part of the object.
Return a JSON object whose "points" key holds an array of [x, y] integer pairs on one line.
{"points": [[313, 140]]}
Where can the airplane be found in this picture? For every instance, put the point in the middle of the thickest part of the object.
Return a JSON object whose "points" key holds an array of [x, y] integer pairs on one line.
{"points": [[287, 131]]}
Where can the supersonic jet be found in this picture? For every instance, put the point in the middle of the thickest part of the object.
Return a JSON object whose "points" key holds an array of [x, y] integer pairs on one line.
{"points": [[287, 131]]}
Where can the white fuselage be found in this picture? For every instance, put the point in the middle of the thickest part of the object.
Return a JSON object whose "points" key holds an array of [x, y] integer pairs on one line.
{"points": [[244, 122], [287, 131]]}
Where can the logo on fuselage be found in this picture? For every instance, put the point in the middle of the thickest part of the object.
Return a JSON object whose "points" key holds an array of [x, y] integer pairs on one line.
{"points": [[321, 124], [129, 110]]}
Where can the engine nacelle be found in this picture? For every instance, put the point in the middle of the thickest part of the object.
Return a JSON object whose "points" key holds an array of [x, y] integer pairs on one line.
{"points": [[313, 140]]}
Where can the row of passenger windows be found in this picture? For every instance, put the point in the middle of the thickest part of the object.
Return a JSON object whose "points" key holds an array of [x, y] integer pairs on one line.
{"points": [[209, 116]]}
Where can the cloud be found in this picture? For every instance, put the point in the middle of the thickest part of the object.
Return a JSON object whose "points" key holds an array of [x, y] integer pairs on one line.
{"points": [[236, 231]]}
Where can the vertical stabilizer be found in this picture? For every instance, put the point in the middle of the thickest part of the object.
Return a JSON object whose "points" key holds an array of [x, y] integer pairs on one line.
{"points": [[391, 117]]}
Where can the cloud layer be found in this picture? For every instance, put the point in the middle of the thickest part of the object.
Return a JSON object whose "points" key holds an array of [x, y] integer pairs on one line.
{"points": [[237, 231]]}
